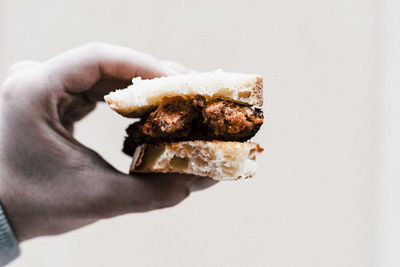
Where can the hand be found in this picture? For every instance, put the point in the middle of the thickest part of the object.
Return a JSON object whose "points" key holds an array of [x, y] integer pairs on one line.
{"points": [[49, 182]]}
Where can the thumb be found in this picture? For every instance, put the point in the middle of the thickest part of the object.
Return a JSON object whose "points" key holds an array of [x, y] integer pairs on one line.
{"points": [[122, 193]]}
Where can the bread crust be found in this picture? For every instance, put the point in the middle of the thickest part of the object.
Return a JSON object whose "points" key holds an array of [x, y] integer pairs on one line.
{"points": [[258, 92]]}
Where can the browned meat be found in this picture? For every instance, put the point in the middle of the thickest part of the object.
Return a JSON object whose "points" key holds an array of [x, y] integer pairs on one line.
{"points": [[231, 121], [181, 119], [173, 118]]}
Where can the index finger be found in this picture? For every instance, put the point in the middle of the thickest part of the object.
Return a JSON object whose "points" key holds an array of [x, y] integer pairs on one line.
{"points": [[77, 70]]}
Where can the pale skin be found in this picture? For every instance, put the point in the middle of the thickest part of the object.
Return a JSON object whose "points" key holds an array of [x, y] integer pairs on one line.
{"points": [[49, 182]]}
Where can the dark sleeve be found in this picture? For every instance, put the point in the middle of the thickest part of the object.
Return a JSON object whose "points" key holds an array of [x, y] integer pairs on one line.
{"points": [[9, 248]]}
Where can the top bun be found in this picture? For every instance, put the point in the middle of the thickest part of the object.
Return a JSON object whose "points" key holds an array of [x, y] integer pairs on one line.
{"points": [[145, 95]]}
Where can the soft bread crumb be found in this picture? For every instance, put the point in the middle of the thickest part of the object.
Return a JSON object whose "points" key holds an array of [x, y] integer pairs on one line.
{"points": [[215, 159]]}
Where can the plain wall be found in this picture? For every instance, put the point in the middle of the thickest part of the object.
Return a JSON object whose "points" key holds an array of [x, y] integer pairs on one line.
{"points": [[312, 202]]}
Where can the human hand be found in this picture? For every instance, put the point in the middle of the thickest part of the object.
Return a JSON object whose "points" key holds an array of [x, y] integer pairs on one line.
{"points": [[49, 182]]}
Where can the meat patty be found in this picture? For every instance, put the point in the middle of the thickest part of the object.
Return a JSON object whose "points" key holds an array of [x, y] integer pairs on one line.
{"points": [[173, 118], [231, 121], [171, 121], [183, 119]]}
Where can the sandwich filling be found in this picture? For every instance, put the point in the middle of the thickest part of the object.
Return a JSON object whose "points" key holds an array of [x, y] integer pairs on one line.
{"points": [[186, 119]]}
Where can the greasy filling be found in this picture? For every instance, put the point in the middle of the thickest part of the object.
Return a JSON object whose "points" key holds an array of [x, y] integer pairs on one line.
{"points": [[185, 119]]}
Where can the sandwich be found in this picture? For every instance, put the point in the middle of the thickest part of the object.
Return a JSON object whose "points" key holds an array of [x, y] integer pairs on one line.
{"points": [[197, 123]]}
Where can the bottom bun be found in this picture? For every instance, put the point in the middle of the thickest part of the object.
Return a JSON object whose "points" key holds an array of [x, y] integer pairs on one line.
{"points": [[216, 159]]}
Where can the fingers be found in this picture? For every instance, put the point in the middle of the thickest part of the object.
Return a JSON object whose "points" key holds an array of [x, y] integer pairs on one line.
{"points": [[141, 193], [113, 193], [106, 85], [77, 70], [201, 183], [165, 190], [96, 69], [103, 87], [146, 192], [92, 70]]}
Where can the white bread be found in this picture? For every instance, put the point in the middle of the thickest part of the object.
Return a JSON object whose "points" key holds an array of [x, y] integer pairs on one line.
{"points": [[216, 159], [144, 95]]}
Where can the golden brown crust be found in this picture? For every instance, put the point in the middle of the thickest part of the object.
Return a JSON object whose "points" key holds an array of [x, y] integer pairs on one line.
{"points": [[257, 93], [258, 148]]}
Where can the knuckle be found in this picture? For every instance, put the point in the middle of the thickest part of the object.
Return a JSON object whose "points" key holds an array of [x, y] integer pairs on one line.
{"points": [[15, 65], [95, 47], [22, 65], [93, 51], [19, 84], [8, 91]]}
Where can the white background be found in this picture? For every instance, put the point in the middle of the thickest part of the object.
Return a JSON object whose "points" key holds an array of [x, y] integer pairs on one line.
{"points": [[314, 199]]}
